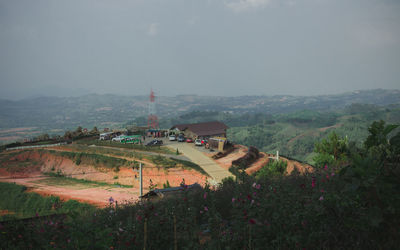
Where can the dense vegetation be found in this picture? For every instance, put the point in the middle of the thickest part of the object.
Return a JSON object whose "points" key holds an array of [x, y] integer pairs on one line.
{"points": [[346, 205], [295, 135]]}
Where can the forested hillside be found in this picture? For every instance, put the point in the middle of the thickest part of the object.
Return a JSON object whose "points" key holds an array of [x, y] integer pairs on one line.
{"points": [[295, 134]]}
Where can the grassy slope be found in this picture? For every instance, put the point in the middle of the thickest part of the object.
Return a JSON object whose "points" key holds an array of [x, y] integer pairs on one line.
{"points": [[21, 204], [155, 149]]}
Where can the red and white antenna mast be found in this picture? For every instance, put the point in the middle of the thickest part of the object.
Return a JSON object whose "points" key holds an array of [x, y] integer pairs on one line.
{"points": [[152, 120]]}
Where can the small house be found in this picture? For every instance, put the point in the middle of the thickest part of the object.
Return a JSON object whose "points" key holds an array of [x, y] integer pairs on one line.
{"points": [[203, 130]]}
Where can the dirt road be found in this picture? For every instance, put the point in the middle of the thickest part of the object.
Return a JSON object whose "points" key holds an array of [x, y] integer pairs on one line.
{"points": [[216, 172]]}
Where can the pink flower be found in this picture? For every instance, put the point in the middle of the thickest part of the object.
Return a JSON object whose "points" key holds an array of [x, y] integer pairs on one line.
{"points": [[233, 199], [332, 174], [326, 167], [321, 198], [313, 183], [252, 221], [205, 196], [206, 209]]}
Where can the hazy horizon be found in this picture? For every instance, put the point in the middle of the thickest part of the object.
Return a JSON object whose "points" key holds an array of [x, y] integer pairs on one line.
{"points": [[206, 48], [168, 96]]}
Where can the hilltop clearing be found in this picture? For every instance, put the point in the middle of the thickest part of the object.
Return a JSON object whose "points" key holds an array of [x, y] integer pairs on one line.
{"points": [[92, 177]]}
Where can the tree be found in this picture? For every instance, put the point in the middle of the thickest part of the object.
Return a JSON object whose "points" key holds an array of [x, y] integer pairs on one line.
{"points": [[331, 151], [94, 131], [272, 169], [379, 144], [68, 135], [43, 137]]}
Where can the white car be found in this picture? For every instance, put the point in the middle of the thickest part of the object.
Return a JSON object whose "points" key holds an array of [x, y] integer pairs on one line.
{"points": [[118, 138], [172, 138], [197, 142]]}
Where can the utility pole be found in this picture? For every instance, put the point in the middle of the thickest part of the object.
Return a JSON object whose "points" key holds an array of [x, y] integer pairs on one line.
{"points": [[140, 170], [141, 179]]}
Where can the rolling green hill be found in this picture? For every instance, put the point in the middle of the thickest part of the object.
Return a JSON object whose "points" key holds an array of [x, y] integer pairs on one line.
{"points": [[295, 134]]}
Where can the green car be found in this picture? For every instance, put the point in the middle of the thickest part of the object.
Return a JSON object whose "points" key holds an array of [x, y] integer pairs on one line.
{"points": [[135, 139]]}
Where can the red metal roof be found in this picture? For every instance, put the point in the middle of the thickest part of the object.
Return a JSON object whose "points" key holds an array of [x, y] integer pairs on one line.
{"points": [[204, 128]]}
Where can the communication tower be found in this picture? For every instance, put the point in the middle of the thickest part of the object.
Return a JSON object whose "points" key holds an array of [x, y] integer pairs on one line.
{"points": [[152, 120]]}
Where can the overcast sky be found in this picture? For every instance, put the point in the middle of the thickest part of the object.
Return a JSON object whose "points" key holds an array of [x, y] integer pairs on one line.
{"points": [[204, 47]]}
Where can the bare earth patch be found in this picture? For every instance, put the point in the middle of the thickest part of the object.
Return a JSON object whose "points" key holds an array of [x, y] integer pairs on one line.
{"points": [[261, 162], [32, 176], [13, 130], [226, 161], [95, 196], [10, 138], [5, 212]]}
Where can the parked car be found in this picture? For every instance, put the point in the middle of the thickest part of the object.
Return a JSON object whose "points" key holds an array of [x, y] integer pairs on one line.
{"points": [[118, 138], [155, 142], [172, 138], [197, 142], [181, 138], [189, 140]]}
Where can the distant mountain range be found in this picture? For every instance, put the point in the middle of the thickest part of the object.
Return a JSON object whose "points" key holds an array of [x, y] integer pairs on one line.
{"points": [[48, 113]]}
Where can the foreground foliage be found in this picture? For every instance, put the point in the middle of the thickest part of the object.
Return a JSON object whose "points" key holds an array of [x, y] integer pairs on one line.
{"points": [[325, 210]]}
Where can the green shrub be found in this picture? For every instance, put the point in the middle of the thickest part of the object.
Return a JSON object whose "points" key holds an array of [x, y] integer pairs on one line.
{"points": [[272, 168]]}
